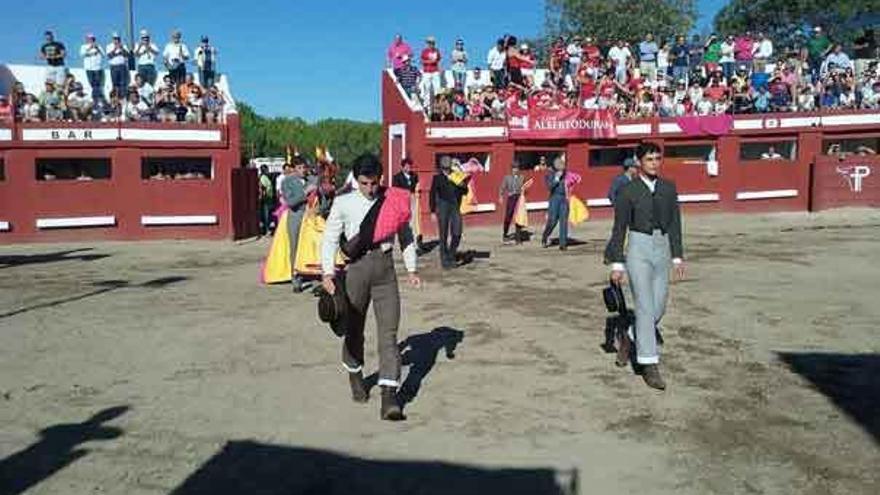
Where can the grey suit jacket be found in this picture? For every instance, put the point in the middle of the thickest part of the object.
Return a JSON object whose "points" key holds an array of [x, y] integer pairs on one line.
{"points": [[511, 185], [293, 191], [635, 210]]}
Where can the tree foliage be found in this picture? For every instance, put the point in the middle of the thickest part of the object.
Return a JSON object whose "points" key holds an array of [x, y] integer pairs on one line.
{"points": [[613, 19], [841, 19], [346, 139]]}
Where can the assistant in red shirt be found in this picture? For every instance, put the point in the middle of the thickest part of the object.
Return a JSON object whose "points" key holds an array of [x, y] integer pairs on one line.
{"points": [[431, 57]]}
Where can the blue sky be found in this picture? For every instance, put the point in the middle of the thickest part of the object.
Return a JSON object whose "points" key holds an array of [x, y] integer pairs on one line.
{"points": [[311, 59]]}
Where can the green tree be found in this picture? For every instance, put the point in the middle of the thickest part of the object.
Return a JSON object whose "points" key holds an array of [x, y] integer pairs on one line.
{"points": [[614, 19], [346, 139]]}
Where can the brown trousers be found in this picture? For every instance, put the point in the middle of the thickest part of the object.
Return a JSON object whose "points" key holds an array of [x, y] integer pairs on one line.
{"points": [[372, 278]]}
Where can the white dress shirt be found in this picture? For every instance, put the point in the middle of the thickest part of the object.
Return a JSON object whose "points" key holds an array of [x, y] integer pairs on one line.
{"points": [[92, 55], [652, 185], [346, 215]]}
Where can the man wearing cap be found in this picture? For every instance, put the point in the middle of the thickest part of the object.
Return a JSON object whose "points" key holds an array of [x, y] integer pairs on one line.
{"points": [[145, 52], [206, 60], [629, 172], [370, 277], [93, 55], [176, 55], [53, 53], [117, 57], [648, 220], [431, 82]]}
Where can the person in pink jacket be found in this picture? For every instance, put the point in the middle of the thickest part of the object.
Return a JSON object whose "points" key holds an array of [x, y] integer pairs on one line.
{"points": [[396, 52]]}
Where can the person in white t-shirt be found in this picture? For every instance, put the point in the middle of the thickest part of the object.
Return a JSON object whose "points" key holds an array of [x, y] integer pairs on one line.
{"points": [[117, 57], [93, 56], [134, 109], [176, 54], [79, 104], [145, 53], [145, 90], [621, 56], [762, 51]]}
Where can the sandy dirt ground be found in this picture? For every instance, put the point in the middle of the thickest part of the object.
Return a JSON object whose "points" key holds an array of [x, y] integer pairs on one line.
{"points": [[164, 367]]}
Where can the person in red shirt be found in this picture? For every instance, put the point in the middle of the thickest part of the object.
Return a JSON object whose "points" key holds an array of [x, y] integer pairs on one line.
{"points": [[587, 86], [558, 60], [431, 82], [5, 109], [592, 56]]}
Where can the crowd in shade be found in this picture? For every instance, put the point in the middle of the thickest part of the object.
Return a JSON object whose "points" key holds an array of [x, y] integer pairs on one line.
{"points": [[745, 73], [136, 92]]}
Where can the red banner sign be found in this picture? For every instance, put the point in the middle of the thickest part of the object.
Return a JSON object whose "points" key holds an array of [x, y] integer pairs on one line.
{"points": [[563, 123]]}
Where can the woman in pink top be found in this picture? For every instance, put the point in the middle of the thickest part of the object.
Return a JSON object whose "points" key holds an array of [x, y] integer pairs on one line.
{"points": [[742, 49], [396, 51]]}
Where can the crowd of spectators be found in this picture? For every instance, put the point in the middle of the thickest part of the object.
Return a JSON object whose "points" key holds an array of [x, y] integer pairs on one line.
{"points": [[134, 95], [748, 73]]}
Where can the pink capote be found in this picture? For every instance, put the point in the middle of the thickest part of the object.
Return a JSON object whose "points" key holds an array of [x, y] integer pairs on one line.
{"points": [[715, 125], [394, 213]]}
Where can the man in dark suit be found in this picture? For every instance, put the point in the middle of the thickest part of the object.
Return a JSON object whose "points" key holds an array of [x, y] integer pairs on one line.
{"points": [[647, 209], [409, 180], [557, 210], [445, 202]]}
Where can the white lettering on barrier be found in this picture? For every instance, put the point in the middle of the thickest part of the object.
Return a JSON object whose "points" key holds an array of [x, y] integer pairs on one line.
{"points": [[70, 134], [854, 175]]}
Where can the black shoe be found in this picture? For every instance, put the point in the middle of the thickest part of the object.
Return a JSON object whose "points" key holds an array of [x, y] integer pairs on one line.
{"points": [[359, 391], [297, 285], [563, 248], [391, 410], [545, 244], [651, 375]]}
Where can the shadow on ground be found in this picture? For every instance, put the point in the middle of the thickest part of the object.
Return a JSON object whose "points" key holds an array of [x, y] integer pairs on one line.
{"points": [[245, 467], [851, 381], [56, 449], [31, 259]]}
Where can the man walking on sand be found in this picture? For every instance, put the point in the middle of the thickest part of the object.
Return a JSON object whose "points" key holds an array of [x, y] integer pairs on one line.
{"points": [[370, 276], [647, 209], [295, 193]]}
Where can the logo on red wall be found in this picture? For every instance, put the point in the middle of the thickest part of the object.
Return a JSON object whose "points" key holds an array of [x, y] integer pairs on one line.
{"points": [[854, 175]]}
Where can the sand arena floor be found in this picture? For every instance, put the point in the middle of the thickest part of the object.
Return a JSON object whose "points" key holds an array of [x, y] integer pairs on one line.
{"points": [[163, 367]]}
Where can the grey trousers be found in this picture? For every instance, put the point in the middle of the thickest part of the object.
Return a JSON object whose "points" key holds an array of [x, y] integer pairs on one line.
{"points": [[294, 222], [648, 263], [373, 278]]}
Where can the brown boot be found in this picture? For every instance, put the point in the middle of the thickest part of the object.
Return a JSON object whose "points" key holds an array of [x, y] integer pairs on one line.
{"points": [[624, 347], [358, 387], [391, 410], [651, 375]]}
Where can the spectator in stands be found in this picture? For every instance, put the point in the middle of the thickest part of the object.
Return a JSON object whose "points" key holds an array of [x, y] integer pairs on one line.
{"points": [[817, 47], [743, 50], [806, 99], [648, 57], [680, 61], [575, 54], [431, 82], [79, 104], [728, 57], [459, 106], [496, 60], [186, 88], [194, 102], [117, 57], [459, 59], [5, 109], [31, 109], [847, 98], [712, 53], [396, 52], [762, 52], [135, 109], [408, 76], [771, 154], [527, 65], [175, 55], [871, 94], [864, 51], [111, 111], [213, 104], [93, 56], [828, 99], [145, 54], [621, 57], [837, 59], [664, 70], [52, 101], [144, 89], [515, 62], [167, 101], [696, 49], [206, 61], [53, 52]]}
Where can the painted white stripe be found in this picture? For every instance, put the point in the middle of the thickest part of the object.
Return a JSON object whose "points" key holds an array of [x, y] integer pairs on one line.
{"points": [[5, 134], [777, 193], [466, 132], [698, 198], [68, 222], [748, 124], [800, 122], [179, 220], [70, 134], [599, 202], [537, 205], [4, 226], [624, 129], [668, 128], [201, 135], [870, 118], [484, 207]]}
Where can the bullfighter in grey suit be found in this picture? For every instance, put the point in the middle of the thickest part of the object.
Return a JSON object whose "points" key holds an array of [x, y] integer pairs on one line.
{"points": [[295, 191], [647, 208]]}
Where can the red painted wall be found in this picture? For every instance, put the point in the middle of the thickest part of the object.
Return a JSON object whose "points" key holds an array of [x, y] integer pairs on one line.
{"points": [[854, 181]]}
